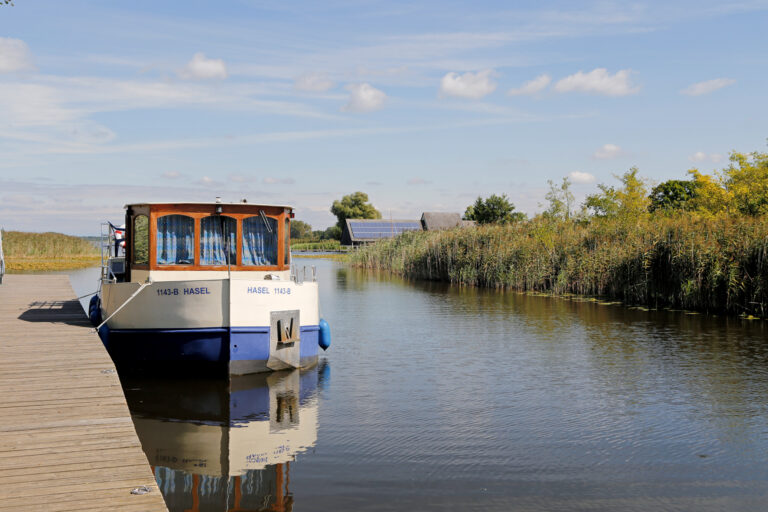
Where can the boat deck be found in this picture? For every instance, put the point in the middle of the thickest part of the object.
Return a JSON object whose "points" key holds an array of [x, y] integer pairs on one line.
{"points": [[67, 441]]}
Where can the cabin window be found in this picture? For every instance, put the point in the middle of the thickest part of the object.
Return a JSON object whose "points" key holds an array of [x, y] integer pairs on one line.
{"points": [[218, 238], [287, 241], [141, 240], [260, 241], [175, 240]]}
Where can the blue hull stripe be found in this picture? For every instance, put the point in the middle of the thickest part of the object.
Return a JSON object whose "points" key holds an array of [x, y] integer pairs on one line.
{"points": [[204, 345]]}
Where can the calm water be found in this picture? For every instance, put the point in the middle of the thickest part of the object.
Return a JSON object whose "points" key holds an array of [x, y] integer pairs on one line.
{"points": [[435, 398]]}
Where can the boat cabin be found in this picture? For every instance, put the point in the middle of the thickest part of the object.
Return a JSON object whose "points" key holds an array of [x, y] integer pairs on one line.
{"points": [[231, 237]]}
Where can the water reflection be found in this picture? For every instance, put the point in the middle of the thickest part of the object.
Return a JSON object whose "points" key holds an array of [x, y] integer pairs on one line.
{"points": [[218, 445]]}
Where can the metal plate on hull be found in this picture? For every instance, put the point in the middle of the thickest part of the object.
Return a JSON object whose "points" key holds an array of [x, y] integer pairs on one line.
{"points": [[284, 340]]}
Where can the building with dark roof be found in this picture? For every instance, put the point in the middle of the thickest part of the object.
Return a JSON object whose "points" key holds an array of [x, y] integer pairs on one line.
{"points": [[433, 221], [361, 231]]}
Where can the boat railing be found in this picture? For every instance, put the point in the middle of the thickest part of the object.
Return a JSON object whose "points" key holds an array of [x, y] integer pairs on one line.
{"points": [[2, 258], [109, 241], [300, 277]]}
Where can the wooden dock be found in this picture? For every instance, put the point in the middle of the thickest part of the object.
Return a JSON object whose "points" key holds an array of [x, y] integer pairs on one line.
{"points": [[67, 441]]}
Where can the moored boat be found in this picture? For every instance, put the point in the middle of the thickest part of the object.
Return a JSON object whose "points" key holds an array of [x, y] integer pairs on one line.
{"points": [[206, 284]]}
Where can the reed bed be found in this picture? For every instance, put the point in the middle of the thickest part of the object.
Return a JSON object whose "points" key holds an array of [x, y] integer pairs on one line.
{"points": [[47, 251], [706, 264]]}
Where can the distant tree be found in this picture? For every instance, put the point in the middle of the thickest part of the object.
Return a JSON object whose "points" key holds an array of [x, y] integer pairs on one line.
{"points": [[495, 209], [560, 200], [353, 206], [300, 229], [603, 204], [672, 195], [332, 233], [633, 196], [711, 195], [630, 201], [746, 180]]}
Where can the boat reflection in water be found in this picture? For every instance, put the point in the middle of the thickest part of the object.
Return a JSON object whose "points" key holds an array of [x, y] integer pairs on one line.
{"points": [[226, 445]]}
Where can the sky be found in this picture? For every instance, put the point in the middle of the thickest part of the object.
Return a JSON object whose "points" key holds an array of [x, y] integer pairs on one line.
{"points": [[422, 105]]}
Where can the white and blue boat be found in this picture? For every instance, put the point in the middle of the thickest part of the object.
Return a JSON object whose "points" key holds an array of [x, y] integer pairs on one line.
{"points": [[206, 284]]}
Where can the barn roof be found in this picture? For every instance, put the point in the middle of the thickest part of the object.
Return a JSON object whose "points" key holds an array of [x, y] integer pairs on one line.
{"points": [[432, 221]]}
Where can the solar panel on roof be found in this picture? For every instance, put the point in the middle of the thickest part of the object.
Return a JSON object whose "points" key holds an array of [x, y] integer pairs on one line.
{"points": [[382, 229]]}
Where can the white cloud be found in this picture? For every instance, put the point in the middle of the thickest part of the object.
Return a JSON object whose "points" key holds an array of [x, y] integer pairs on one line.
{"points": [[707, 86], [14, 55], [364, 98], [469, 85], [700, 156], [278, 181], [172, 175], [313, 82], [581, 177], [538, 84], [50, 111], [240, 178], [599, 81], [608, 152], [418, 181], [203, 68], [33, 105], [207, 181]]}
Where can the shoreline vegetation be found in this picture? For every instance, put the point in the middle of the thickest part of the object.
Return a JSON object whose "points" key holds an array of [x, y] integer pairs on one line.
{"points": [[711, 264], [40, 252], [314, 245], [699, 244]]}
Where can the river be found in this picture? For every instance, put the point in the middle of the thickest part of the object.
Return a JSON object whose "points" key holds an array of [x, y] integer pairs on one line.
{"points": [[435, 397]]}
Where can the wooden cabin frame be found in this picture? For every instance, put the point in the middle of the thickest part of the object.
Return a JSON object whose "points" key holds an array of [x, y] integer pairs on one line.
{"points": [[198, 211]]}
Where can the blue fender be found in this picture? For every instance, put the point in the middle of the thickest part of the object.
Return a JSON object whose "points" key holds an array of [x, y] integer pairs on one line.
{"points": [[94, 310], [324, 340], [104, 335]]}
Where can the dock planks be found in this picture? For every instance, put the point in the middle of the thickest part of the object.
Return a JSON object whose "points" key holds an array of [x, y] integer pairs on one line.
{"points": [[67, 441]]}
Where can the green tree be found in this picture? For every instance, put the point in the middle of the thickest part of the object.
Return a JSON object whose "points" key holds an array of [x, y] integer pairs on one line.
{"points": [[495, 209], [353, 206], [560, 200], [332, 233], [300, 229], [633, 196], [603, 204], [629, 202], [672, 195]]}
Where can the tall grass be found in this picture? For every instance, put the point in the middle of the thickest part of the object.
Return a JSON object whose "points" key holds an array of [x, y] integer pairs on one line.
{"points": [[716, 264], [47, 251]]}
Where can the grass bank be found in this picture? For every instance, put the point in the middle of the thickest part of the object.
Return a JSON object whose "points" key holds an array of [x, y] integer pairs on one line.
{"points": [[316, 245], [713, 265], [47, 251]]}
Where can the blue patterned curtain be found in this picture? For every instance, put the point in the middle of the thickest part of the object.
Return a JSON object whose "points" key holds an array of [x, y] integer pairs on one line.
{"points": [[214, 231], [259, 245], [175, 240]]}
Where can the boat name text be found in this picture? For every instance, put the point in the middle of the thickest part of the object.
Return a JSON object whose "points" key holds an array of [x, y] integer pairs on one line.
{"points": [[264, 290], [184, 291]]}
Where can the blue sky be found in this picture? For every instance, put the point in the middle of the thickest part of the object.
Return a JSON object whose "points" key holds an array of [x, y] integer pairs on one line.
{"points": [[423, 105]]}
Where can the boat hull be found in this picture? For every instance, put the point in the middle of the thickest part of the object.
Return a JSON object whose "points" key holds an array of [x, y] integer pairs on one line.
{"points": [[230, 328], [238, 351]]}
